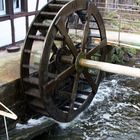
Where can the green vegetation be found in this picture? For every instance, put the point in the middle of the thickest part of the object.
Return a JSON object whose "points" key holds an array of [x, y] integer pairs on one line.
{"points": [[117, 56], [126, 22], [136, 25], [137, 2], [121, 55], [111, 15]]}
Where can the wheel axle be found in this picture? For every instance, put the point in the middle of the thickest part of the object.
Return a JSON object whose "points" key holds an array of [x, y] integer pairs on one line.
{"points": [[112, 68]]}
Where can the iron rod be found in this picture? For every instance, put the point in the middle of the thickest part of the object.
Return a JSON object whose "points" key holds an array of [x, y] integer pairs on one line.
{"points": [[112, 68]]}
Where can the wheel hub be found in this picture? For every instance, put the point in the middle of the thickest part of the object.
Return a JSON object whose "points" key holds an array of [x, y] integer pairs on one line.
{"points": [[79, 69]]}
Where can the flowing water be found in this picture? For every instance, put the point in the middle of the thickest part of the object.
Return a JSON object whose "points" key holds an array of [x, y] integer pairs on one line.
{"points": [[114, 114]]}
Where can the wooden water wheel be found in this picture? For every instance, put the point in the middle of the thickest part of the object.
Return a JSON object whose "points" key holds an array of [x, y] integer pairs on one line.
{"points": [[57, 86]]}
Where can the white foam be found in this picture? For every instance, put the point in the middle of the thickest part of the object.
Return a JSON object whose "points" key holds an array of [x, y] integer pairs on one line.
{"points": [[113, 126], [101, 94], [31, 123], [114, 81], [136, 107], [106, 116], [64, 125], [86, 136]]}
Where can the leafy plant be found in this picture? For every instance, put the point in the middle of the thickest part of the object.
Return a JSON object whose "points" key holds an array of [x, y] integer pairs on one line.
{"points": [[118, 55], [137, 2]]}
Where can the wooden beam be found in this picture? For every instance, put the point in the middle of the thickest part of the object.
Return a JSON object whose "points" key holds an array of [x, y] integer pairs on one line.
{"points": [[8, 114], [37, 5], [112, 68]]}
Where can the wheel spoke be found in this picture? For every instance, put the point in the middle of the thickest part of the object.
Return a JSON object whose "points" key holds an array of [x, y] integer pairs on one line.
{"points": [[54, 48], [61, 26], [60, 78], [54, 51], [86, 33], [94, 50], [74, 92], [86, 29], [89, 79]]}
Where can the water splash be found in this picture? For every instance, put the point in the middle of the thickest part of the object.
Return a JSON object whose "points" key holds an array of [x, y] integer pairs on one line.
{"points": [[113, 114], [31, 123]]}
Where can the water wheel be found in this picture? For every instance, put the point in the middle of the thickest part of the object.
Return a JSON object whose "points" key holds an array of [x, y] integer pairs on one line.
{"points": [[63, 31]]}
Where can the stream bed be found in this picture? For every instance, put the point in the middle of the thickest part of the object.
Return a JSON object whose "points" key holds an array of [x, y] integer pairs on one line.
{"points": [[114, 114]]}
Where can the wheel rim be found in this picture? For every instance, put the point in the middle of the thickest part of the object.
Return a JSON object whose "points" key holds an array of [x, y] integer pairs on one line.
{"points": [[66, 92]]}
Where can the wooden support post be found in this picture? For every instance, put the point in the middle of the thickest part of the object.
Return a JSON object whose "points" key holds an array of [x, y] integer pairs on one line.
{"points": [[112, 68]]}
